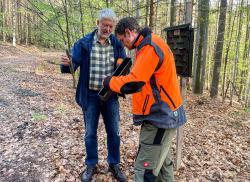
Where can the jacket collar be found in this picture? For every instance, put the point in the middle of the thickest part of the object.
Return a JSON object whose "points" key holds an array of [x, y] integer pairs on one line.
{"points": [[141, 35]]}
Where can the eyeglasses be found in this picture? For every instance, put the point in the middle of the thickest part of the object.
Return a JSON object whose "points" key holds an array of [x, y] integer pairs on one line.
{"points": [[107, 25]]}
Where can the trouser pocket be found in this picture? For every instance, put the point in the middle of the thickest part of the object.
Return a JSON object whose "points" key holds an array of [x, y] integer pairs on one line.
{"points": [[146, 162], [148, 156]]}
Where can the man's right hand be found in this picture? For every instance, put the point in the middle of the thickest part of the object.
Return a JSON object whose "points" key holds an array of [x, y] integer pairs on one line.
{"points": [[65, 60]]}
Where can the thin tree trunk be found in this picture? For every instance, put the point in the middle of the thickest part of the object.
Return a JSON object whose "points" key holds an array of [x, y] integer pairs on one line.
{"points": [[14, 22], [196, 45], [107, 3], [91, 11], [204, 58], [19, 24], [156, 14], [133, 7], [137, 16], [68, 40], [179, 14], [247, 102], [165, 22], [81, 17], [3, 20], [147, 10], [27, 25], [245, 56], [202, 21], [204, 50], [235, 65], [172, 13], [229, 34], [209, 68], [152, 15], [128, 9], [219, 49]]}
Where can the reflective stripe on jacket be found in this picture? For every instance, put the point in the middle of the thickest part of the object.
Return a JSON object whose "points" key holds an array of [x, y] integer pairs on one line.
{"points": [[153, 81]]}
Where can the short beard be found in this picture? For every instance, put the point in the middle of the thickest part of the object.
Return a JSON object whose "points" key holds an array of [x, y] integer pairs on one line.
{"points": [[102, 35]]}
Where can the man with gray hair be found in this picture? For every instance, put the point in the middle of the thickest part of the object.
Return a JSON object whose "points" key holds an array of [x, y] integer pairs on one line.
{"points": [[96, 54]]}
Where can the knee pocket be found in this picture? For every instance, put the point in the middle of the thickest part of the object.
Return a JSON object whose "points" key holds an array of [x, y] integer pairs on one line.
{"points": [[148, 156]]}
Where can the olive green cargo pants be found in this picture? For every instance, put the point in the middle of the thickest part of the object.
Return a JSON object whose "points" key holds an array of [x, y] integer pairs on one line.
{"points": [[153, 162]]}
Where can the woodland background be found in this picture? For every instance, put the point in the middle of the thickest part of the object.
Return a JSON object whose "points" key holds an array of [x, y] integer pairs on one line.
{"points": [[41, 126], [222, 45]]}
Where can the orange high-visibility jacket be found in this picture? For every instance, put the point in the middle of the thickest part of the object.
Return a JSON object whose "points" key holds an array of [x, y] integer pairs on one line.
{"points": [[153, 81]]}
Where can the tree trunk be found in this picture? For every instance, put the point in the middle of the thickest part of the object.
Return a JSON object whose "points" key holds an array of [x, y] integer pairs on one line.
{"points": [[19, 24], [68, 40], [152, 15], [14, 22], [218, 49], [229, 35], [243, 82], [107, 3], [209, 69], [172, 13], [91, 11], [247, 102], [204, 57], [194, 67], [133, 7], [205, 44], [156, 14], [3, 20], [147, 10], [202, 24], [81, 17], [27, 25], [235, 65], [137, 15]]}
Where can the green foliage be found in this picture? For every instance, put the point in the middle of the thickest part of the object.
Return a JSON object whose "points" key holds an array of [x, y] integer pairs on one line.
{"points": [[37, 116], [62, 109], [247, 109]]}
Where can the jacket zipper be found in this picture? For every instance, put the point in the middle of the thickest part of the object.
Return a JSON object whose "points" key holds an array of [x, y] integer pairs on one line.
{"points": [[167, 95], [145, 104]]}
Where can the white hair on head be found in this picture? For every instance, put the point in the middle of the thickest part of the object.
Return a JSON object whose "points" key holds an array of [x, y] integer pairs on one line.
{"points": [[107, 13]]}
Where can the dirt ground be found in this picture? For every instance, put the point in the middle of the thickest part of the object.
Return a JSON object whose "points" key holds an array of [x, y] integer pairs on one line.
{"points": [[41, 128]]}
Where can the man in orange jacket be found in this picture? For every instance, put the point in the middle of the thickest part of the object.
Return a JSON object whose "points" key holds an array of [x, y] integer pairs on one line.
{"points": [[156, 100]]}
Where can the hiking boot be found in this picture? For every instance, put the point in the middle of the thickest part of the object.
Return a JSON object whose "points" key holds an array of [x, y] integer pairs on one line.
{"points": [[117, 172], [87, 174]]}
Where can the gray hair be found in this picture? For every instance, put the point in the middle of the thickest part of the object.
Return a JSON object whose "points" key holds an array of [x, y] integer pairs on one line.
{"points": [[107, 13]]}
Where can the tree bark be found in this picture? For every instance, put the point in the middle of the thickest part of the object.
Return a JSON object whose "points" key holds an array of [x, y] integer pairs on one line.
{"points": [[229, 35], [243, 83], [172, 12], [235, 65], [147, 10], [14, 22], [152, 15], [203, 15], [81, 17], [218, 49], [3, 20]]}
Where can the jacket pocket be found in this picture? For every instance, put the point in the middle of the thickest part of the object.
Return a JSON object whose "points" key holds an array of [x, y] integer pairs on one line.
{"points": [[165, 92], [144, 107]]}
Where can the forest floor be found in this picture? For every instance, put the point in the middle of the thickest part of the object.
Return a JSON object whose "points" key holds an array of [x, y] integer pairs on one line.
{"points": [[41, 128]]}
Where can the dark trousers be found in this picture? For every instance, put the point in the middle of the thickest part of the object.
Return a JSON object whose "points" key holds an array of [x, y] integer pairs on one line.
{"points": [[110, 113]]}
